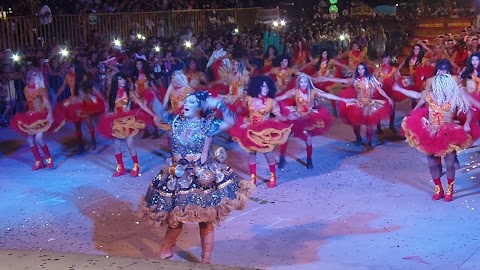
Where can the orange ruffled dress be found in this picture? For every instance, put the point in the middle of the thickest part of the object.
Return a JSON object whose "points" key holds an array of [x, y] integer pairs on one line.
{"points": [[35, 119], [262, 133], [432, 130]]}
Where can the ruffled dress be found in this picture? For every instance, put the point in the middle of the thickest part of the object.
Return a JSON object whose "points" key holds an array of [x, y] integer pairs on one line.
{"points": [[35, 119], [366, 110], [125, 121], [259, 132], [304, 119], [432, 130], [186, 190]]}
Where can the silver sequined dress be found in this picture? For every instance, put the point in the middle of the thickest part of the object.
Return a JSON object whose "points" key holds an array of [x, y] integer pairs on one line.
{"points": [[204, 192]]}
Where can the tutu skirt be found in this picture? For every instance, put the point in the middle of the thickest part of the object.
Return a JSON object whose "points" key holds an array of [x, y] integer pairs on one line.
{"points": [[261, 137], [31, 123], [78, 110], [204, 193], [315, 123], [437, 141], [121, 125], [363, 114]]}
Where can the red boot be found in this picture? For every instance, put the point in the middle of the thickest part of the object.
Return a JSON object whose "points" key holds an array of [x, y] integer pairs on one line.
{"points": [[449, 194], [38, 159], [120, 167], [438, 190], [48, 157], [136, 168], [273, 176], [253, 173]]}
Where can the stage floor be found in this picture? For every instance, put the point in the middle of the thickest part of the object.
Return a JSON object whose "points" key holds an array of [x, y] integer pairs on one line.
{"points": [[354, 210]]}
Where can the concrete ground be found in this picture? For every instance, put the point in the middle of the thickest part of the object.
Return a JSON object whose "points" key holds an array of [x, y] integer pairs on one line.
{"points": [[354, 210]]}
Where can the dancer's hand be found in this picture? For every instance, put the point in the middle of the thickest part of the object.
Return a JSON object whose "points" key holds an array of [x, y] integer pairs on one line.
{"points": [[390, 101], [50, 118], [158, 122]]}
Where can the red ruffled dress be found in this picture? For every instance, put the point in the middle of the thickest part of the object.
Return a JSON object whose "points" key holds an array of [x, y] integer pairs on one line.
{"points": [[366, 110], [35, 119], [259, 132], [305, 119], [473, 88], [386, 75], [432, 130], [235, 98], [125, 121]]}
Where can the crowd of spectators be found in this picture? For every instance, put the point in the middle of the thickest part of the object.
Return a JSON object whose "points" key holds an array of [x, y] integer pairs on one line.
{"points": [[59, 7]]}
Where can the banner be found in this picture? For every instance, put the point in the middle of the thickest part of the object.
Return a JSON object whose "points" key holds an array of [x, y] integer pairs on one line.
{"points": [[387, 10], [361, 11]]}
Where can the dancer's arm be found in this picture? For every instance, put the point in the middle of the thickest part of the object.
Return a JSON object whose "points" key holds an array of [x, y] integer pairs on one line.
{"points": [[406, 92], [323, 94], [227, 115], [332, 79], [288, 94]]}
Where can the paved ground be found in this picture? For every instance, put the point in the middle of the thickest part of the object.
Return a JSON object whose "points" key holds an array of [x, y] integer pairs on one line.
{"points": [[355, 210]]}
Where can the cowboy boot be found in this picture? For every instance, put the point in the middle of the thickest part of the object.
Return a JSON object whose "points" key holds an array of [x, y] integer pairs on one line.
{"points": [[207, 235], [169, 241], [438, 190]]}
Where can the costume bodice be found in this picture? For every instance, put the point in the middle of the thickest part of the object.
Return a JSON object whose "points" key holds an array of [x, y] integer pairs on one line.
{"points": [[304, 100], [258, 115], [141, 83], [355, 58], [122, 101], [364, 88], [194, 78], [384, 72], [439, 113], [188, 135], [177, 96], [473, 84], [237, 84], [35, 98], [71, 82], [283, 75]]}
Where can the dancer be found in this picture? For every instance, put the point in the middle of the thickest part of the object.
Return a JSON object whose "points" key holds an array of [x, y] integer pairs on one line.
{"points": [[235, 83], [195, 186], [143, 83], [122, 122], [387, 75], [432, 131], [306, 120], [196, 78], [39, 119], [284, 74], [259, 132], [366, 111], [177, 91]]}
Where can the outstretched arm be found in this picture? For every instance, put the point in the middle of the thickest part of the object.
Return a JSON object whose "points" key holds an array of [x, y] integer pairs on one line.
{"points": [[324, 94], [331, 79], [288, 94], [406, 92]]}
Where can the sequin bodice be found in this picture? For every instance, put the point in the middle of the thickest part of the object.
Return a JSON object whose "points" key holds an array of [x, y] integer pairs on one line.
{"points": [[283, 76], [258, 115], [384, 72], [439, 113], [141, 83], [237, 84], [303, 101], [188, 135], [177, 96], [364, 89], [121, 101], [473, 84], [35, 99]]}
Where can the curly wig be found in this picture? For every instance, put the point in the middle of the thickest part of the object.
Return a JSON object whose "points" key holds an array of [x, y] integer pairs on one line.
{"points": [[255, 86]]}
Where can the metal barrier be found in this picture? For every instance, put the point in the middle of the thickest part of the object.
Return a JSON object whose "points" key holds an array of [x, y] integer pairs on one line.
{"points": [[21, 31]]}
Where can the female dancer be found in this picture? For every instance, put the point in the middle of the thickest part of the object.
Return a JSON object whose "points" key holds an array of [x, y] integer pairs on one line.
{"points": [[325, 67], [143, 83], [195, 186], [177, 91], [76, 107], [306, 120], [436, 135], [387, 75], [38, 119], [268, 58], [236, 81], [301, 54], [472, 77], [284, 74], [196, 79], [259, 132], [122, 122], [366, 110]]}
